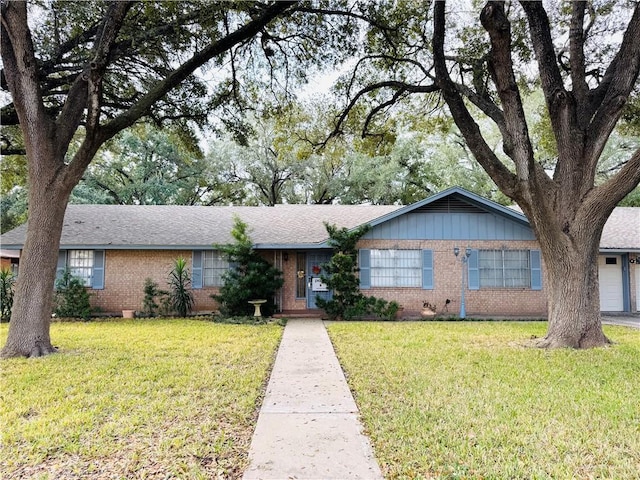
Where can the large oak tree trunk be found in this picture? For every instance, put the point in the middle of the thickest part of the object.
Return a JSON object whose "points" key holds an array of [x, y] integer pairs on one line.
{"points": [[29, 334], [573, 297], [567, 210]]}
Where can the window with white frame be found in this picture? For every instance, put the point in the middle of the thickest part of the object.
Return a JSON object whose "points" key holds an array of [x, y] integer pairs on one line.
{"points": [[80, 263], [504, 268], [214, 266], [396, 268]]}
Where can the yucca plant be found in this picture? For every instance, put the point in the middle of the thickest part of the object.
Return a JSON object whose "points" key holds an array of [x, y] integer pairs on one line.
{"points": [[181, 298]]}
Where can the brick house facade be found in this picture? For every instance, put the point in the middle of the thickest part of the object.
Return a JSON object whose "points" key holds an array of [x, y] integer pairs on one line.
{"points": [[408, 256]]}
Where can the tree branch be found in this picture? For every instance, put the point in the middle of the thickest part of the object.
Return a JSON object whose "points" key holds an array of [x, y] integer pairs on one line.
{"points": [[552, 85], [500, 174], [393, 84], [622, 76], [630, 43], [516, 143], [601, 200], [162, 87], [576, 57], [18, 57], [87, 91]]}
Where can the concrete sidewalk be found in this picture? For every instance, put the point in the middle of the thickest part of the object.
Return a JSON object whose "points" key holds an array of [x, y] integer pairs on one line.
{"points": [[308, 427]]}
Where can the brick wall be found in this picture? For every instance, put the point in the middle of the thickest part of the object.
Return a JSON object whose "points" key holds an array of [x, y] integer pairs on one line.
{"points": [[447, 278], [126, 271]]}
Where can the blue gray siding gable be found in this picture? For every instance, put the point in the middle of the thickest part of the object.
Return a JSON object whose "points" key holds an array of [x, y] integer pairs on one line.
{"points": [[479, 225], [454, 214]]}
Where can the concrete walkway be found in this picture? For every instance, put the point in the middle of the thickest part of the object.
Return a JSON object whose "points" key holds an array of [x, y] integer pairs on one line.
{"points": [[308, 427]]}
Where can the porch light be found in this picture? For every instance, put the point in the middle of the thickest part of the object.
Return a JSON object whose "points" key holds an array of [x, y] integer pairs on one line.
{"points": [[464, 259]]}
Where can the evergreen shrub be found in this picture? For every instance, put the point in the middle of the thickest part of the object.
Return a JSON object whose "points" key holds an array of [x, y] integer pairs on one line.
{"points": [[250, 278]]}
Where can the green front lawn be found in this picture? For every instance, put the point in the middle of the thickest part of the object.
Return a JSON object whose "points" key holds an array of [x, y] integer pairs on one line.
{"points": [[470, 401], [135, 399]]}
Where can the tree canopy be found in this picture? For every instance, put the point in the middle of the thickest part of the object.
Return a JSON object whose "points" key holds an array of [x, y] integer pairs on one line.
{"points": [[586, 78], [84, 71], [79, 73]]}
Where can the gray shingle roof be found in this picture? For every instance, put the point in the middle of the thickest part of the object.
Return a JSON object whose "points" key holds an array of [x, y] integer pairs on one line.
{"points": [[622, 230], [118, 226], [294, 226]]}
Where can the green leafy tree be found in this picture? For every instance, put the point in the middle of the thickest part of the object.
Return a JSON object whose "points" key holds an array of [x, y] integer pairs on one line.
{"points": [[81, 72], [72, 299], [250, 278], [180, 296], [13, 209], [341, 277], [269, 161], [148, 166], [589, 81]]}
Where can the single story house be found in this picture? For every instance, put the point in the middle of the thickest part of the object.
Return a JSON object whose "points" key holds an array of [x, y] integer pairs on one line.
{"points": [[407, 256]]}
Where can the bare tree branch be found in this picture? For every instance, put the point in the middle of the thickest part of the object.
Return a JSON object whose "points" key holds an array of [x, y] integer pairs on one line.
{"points": [[392, 84], [576, 55], [506, 180], [516, 143]]}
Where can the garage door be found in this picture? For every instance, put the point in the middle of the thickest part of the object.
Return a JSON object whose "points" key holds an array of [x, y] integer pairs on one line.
{"points": [[610, 269]]}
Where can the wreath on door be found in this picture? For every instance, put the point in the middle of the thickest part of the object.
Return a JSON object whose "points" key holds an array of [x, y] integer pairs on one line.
{"points": [[316, 270]]}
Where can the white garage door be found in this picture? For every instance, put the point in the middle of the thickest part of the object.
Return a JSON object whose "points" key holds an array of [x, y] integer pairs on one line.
{"points": [[610, 269]]}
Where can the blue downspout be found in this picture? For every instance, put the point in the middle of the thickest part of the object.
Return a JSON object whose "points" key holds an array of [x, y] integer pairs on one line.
{"points": [[626, 283]]}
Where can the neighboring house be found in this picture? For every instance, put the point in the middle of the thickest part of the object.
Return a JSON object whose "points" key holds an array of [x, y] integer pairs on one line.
{"points": [[619, 261], [9, 260], [408, 256]]}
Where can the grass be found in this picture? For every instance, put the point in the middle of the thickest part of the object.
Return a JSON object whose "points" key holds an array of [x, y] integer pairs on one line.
{"points": [[135, 399], [469, 401]]}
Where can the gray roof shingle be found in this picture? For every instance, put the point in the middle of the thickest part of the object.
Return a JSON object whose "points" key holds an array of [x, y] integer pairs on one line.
{"points": [[128, 226], [293, 226], [622, 230]]}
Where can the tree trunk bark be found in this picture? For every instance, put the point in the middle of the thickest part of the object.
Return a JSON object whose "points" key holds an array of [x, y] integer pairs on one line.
{"points": [[31, 315], [573, 294]]}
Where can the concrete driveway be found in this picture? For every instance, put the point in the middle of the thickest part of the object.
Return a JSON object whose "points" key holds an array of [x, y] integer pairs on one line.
{"points": [[626, 320]]}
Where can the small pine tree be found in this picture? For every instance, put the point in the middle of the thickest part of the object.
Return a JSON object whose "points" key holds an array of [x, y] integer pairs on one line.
{"points": [[151, 294], [251, 276], [71, 298], [341, 277]]}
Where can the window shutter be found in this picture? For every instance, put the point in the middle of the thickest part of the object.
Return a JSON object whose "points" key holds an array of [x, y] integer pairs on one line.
{"points": [[536, 270], [196, 269], [97, 279], [427, 269], [473, 271], [365, 268], [62, 264]]}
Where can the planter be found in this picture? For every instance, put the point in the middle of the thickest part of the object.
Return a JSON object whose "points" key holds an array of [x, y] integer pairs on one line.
{"points": [[128, 313]]}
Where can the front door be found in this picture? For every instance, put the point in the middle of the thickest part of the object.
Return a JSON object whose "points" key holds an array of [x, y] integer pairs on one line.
{"points": [[315, 288]]}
